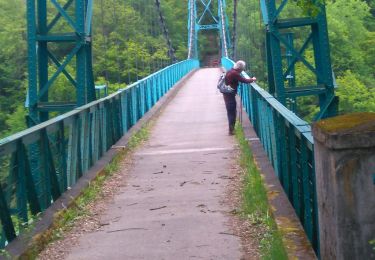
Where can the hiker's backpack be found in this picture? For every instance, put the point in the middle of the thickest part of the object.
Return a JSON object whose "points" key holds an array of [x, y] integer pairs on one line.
{"points": [[223, 88]]}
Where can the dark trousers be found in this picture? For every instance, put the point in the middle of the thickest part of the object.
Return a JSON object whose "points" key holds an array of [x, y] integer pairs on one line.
{"points": [[231, 106]]}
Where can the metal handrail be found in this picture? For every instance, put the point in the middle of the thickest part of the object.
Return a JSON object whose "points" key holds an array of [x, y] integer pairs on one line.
{"points": [[289, 145]]}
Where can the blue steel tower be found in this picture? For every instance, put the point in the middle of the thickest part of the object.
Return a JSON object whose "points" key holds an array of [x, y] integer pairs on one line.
{"points": [[278, 37], [69, 29], [201, 17]]}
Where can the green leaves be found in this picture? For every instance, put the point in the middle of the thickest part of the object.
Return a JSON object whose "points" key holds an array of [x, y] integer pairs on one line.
{"points": [[354, 95], [128, 40], [310, 7], [353, 54], [13, 62]]}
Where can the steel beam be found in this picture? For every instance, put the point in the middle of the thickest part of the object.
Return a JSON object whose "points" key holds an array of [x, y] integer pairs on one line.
{"points": [[197, 23], [209, 27], [40, 35], [279, 72]]}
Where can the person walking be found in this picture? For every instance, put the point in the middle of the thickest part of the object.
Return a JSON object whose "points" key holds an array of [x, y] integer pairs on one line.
{"points": [[232, 79]]}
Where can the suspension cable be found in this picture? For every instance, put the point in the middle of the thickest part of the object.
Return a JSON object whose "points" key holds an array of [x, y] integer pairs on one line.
{"points": [[234, 39], [262, 48], [153, 49], [157, 31], [163, 25], [137, 9], [117, 42], [149, 31], [222, 18], [105, 41], [252, 28], [191, 29], [126, 45]]}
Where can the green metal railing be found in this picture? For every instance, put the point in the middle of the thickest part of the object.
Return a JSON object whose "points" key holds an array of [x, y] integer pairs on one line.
{"points": [[40, 163], [289, 145]]}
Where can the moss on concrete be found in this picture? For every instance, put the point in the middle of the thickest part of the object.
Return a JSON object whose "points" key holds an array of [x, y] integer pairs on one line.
{"points": [[348, 123]]}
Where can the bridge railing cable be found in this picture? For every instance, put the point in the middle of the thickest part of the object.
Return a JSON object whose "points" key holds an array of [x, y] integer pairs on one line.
{"points": [[289, 145], [69, 145]]}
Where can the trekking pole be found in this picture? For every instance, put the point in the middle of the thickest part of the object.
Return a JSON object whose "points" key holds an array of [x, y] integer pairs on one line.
{"points": [[240, 112]]}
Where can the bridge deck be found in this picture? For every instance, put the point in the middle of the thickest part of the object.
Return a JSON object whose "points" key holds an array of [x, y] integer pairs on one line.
{"points": [[172, 206]]}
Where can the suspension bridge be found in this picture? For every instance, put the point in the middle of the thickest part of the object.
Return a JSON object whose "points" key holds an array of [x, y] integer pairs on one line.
{"points": [[178, 175]]}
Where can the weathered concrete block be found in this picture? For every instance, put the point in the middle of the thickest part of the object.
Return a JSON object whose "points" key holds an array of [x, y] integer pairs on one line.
{"points": [[345, 167]]}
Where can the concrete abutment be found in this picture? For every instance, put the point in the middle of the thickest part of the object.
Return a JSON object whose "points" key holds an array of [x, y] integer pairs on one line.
{"points": [[345, 168]]}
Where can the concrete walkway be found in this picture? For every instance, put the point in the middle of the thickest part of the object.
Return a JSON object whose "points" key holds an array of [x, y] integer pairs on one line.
{"points": [[172, 204]]}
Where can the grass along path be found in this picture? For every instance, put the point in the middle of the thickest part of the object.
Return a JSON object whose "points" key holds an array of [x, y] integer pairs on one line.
{"points": [[255, 207]]}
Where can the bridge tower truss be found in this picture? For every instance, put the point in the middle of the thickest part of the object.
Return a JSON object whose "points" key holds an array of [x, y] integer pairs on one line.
{"points": [[58, 45], [278, 36], [203, 18]]}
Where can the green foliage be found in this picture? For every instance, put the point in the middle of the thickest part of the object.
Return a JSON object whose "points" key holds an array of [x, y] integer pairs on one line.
{"points": [[175, 13], [347, 34], [5, 254], [309, 7], [128, 43], [353, 54], [16, 121], [372, 242], [141, 136], [12, 59], [354, 95]]}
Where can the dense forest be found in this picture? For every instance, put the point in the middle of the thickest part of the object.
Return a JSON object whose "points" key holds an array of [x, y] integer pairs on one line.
{"points": [[128, 44]]}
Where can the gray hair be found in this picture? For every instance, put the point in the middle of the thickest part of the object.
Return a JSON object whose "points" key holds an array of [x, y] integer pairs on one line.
{"points": [[239, 65]]}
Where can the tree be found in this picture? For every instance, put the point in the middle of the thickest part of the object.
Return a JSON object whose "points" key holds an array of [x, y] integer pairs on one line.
{"points": [[354, 95], [13, 64]]}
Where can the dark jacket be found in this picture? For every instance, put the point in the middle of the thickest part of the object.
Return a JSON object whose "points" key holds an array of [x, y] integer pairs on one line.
{"points": [[233, 77]]}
